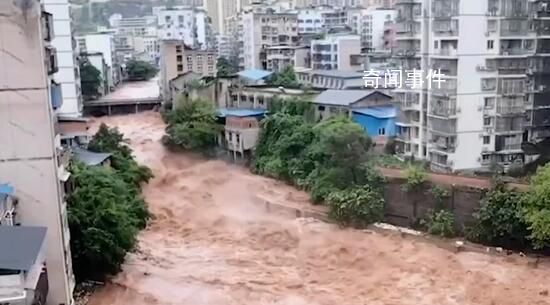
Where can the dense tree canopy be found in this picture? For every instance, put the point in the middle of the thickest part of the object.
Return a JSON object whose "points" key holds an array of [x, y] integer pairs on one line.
{"points": [[192, 126], [105, 215], [224, 67], [90, 80], [106, 209], [140, 70], [286, 78], [536, 208], [110, 140]]}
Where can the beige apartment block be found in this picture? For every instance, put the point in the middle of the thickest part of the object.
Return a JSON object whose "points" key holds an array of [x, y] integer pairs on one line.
{"points": [[30, 160]]}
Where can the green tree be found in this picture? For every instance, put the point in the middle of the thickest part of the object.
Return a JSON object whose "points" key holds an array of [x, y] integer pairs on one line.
{"points": [[499, 220], [286, 78], [224, 67], [110, 140], [90, 80], [140, 70], [104, 215], [536, 208], [342, 144], [192, 126], [357, 207]]}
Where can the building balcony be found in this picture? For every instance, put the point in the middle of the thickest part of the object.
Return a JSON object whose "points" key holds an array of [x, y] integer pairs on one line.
{"points": [[510, 110], [47, 26], [441, 126], [448, 52], [51, 60], [443, 144], [56, 96]]}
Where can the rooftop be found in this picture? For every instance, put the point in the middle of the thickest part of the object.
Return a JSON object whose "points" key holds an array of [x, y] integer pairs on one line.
{"points": [[24, 243], [333, 73], [254, 74], [90, 158], [343, 97], [225, 112], [380, 112]]}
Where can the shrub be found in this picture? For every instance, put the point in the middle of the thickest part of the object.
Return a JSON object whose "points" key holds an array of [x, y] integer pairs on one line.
{"points": [[498, 221], [357, 207], [440, 194], [439, 223], [416, 177], [390, 147], [536, 208]]}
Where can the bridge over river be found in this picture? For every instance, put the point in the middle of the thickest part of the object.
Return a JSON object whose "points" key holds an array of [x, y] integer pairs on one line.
{"points": [[129, 97]]}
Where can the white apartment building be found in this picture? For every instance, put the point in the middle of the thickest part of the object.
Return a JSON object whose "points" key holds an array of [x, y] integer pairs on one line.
{"points": [[184, 23], [333, 3], [32, 159], [337, 52], [137, 26], [262, 29], [220, 10], [280, 57], [378, 3], [68, 75], [495, 95], [320, 19], [103, 43], [370, 25]]}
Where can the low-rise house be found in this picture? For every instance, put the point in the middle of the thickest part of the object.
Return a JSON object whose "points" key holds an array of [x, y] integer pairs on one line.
{"points": [[23, 275], [242, 129], [378, 122], [342, 102]]}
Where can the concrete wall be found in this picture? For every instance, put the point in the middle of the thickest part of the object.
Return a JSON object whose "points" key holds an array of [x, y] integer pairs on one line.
{"points": [[407, 208]]}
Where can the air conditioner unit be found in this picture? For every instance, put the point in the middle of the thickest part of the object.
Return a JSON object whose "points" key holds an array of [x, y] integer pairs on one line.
{"points": [[484, 149]]}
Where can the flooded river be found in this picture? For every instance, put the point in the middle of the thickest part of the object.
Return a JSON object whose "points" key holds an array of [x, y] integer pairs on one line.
{"points": [[211, 243]]}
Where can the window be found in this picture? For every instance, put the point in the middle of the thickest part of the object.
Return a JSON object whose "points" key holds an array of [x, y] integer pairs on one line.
{"points": [[321, 108], [490, 44], [486, 140], [381, 131], [179, 58], [238, 139], [180, 68], [489, 103], [486, 157], [487, 122], [436, 44]]}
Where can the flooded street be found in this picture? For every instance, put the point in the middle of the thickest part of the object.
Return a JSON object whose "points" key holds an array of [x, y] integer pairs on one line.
{"points": [[212, 243]]}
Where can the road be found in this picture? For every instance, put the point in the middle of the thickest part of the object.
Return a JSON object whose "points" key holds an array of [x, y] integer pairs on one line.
{"points": [[211, 243]]}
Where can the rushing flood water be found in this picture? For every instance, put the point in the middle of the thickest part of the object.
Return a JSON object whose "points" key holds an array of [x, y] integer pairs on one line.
{"points": [[211, 243]]}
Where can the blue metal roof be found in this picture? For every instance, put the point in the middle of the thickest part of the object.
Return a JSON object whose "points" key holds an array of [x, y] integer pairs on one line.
{"points": [[380, 112], [224, 112], [254, 74]]}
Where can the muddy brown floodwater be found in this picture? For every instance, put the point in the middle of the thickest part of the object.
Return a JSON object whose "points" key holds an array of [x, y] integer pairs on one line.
{"points": [[212, 243]]}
